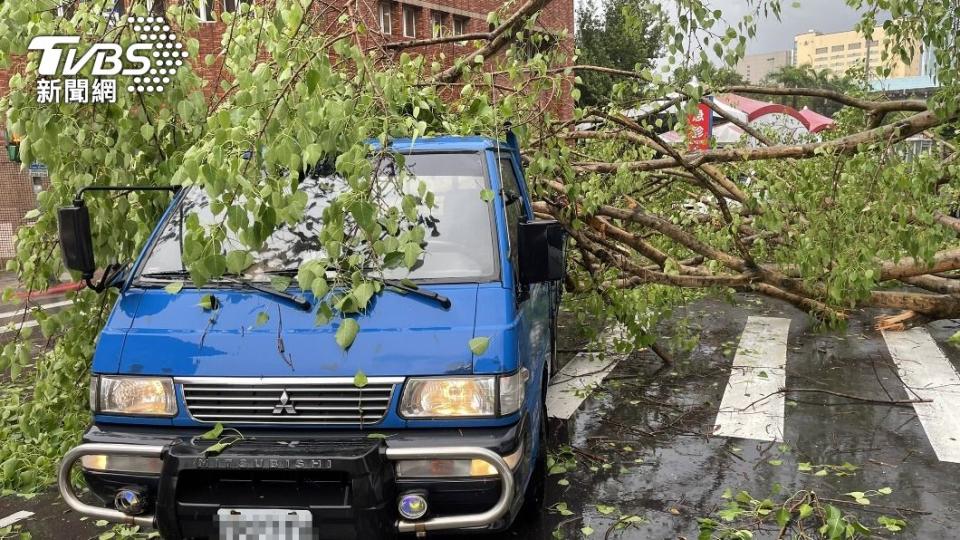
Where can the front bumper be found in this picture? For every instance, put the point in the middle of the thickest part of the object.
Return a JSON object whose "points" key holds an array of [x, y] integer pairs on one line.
{"points": [[344, 479]]}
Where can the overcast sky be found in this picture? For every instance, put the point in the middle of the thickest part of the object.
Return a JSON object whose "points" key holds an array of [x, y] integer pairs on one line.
{"points": [[773, 35]]}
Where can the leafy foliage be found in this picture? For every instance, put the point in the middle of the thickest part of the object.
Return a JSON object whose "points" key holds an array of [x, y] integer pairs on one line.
{"points": [[621, 34]]}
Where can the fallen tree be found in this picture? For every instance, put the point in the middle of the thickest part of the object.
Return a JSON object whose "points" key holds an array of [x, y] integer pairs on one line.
{"points": [[827, 223]]}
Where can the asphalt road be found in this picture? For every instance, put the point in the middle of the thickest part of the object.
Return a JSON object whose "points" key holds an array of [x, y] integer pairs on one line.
{"points": [[643, 442]]}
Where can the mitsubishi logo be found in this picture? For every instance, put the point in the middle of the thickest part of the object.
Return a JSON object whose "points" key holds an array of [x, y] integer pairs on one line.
{"points": [[285, 405]]}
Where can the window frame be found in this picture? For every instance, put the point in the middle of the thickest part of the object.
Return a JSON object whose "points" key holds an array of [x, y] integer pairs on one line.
{"points": [[460, 25], [205, 9], [410, 28], [236, 5], [436, 24], [385, 17]]}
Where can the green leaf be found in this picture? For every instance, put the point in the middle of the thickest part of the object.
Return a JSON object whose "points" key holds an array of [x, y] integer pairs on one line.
{"points": [[238, 261], [587, 531], [214, 433], [347, 333], [605, 510], [376, 436], [174, 288], [216, 448], [563, 482], [885, 491], [362, 293], [262, 318], [208, 302], [280, 283], [146, 131], [360, 379], [478, 345], [486, 195]]}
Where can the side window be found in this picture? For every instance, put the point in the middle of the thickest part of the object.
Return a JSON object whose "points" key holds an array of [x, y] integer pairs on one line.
{"points": [[513, 199]]}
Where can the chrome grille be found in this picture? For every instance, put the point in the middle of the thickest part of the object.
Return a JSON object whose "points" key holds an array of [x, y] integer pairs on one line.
{"points": [[288, 400]]}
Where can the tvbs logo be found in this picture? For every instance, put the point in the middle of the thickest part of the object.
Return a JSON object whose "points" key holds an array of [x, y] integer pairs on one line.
{"points": [[150, 63]]}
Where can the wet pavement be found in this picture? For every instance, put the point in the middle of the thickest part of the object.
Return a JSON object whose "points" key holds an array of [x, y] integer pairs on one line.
{"points": [[640, 451]]}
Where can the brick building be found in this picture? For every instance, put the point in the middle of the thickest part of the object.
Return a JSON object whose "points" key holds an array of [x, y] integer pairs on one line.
{"points": [[395, 21]]}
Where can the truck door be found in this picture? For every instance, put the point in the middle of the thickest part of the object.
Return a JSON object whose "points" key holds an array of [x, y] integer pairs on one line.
{"points": [[533, 302]]}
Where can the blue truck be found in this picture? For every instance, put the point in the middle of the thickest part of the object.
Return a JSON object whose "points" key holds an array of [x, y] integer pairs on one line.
{"points": [[439, 436]]}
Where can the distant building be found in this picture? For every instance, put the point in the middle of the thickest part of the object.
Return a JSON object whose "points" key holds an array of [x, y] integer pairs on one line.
{"points": [[754, 67], [840, 51]]}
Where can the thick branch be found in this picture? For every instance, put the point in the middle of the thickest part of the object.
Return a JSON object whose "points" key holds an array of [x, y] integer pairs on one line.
{"points": [[934, 284], [917, 105], [908, 266], [480, 36], [850, 144], [933, 305], [499, 38]]}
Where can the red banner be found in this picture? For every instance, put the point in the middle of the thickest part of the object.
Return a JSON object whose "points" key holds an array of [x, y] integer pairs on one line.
{"points": [[700, 126]]}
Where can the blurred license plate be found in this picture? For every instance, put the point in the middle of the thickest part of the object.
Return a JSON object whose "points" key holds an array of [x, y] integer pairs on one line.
{"points": [[264, 524]]}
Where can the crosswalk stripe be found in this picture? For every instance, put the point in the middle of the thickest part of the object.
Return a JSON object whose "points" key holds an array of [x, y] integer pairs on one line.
{"points": [[753, 406], [15, 517], [929, 375], [20, 313], [570, 386], [14, 326]]}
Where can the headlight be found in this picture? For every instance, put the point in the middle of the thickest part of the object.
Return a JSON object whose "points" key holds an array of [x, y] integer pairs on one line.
{"points": [[148, 396], [441, 397], [449, 396]]}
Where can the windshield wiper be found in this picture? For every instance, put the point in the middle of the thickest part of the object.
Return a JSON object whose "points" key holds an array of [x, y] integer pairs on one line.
{"points": [[297, 301], [402, 285], [413, 289], [168, 274]]}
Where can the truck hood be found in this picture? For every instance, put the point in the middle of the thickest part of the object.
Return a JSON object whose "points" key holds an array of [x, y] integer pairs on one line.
{"points": [[152, 332]]}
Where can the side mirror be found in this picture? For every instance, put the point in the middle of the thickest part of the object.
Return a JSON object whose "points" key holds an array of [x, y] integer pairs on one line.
{"points": [[540, 245], [75, 240]]}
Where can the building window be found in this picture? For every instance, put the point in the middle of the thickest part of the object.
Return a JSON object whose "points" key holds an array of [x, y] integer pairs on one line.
{"points": [[821, 50], [853, 46], [872, 43], [409, 22], [386, 19], [836, 48], [436, 20], [37, 182], [205, 10], [459, 26], [156, 7], [232, 6]]}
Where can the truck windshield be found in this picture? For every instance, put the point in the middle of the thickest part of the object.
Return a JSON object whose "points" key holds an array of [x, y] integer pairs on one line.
{"points": [[459, 244]]}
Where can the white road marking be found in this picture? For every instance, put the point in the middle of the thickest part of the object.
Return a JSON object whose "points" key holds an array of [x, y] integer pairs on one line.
{"points": [[752, 405], [572, 383], [20, 313], [14, 326], [15, 517], [928, 374]]}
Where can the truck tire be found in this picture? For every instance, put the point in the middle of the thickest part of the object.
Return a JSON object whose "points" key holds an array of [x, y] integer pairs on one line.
{"points": [[533, 498]]}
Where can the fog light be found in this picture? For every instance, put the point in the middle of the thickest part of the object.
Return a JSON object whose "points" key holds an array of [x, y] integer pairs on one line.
{"points": [[412, 505], [129, 501]]}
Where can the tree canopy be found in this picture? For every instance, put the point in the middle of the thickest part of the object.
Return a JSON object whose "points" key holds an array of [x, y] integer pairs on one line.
{"points": [[620, 34]]}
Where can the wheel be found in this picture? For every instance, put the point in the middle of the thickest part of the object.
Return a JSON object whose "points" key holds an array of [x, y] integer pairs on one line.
{"points": [[533, 498]]}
